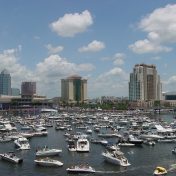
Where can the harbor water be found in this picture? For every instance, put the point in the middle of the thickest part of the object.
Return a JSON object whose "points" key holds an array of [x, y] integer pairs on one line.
{"points": [[143, 159]]}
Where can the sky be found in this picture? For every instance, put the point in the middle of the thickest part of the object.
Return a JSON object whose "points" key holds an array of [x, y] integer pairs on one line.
{"points": [[100, 40]]}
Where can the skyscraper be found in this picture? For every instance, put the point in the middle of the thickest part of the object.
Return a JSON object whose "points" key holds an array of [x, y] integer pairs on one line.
{"points": [[28, 88], [5, 83], [74, 89], [144, 83]]}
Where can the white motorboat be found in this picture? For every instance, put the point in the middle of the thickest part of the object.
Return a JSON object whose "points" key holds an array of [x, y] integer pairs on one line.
{"points": [[82, 145], [126, 144], [11, 157], [45, 151], [81, 169], [48, 162], [22, 143], [116, 157]]}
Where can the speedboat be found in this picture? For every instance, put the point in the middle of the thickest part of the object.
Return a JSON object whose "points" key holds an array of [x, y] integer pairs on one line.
{"points": [[45, 151], [81, 169], [116, 157], [48, 162], [160, 171], [126, 144], [22, 143], [11, 157], [82, 145]]}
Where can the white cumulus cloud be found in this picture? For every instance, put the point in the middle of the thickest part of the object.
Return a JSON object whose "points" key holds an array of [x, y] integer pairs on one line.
{"points": [[147, 46], [119, 59], [94, 46], [54, 50], [160, 26], [71, 24]]}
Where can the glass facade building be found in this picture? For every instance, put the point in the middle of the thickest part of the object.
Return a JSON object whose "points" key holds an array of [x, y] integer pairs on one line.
{"points": [[5, 83], [74, 89]]}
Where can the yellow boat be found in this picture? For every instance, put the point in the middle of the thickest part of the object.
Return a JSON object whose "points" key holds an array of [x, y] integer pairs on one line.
{"points": [[160, 171]]}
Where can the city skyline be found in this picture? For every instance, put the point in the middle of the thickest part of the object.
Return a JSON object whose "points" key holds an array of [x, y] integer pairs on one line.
{"points": [[47, 41]]}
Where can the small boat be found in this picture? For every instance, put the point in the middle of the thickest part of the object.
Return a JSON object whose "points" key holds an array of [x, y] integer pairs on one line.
{"points": [[45, 151], [160, 171], [126, 144], [11, 157], [48, 162], [81, 169], [174, 150], [71, 146], [149, 142], [116, 157], [22, 143]]}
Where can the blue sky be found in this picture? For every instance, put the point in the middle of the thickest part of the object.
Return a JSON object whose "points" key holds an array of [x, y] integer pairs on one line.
{"points": [[102, 40]]}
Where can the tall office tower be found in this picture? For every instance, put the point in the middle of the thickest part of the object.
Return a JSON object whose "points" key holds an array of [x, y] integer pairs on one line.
{"points": [[144, 83], [5, 83], [28, 88], [74, 89]]}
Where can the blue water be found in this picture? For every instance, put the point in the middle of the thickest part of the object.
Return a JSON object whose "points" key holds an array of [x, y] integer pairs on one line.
{"points": [[143, 159]]}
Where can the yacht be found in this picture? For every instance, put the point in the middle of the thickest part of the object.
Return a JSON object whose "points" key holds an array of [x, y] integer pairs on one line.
{"points": [[45, 151], [81, 169], [48, 162], [11, 157], [82, 145], [22, 143], [116, 157]]}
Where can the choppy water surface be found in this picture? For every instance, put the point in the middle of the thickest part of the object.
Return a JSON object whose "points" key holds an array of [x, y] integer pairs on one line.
{"points": [[143, 159]]}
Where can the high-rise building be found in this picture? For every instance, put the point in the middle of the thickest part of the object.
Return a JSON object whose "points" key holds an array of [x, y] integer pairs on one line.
{"points": [[144, 83], [28, 88], [74, 89], [5, 83]]}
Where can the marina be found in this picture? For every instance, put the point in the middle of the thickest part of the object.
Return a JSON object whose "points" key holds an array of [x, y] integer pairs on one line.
{"points": [[141, 158]]}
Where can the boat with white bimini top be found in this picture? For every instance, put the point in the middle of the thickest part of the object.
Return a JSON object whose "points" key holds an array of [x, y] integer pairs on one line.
{"points": [[45, 151], [116, 157], [81, 169], [48, 162], [22, 143], [11, 157], [82, 145]]}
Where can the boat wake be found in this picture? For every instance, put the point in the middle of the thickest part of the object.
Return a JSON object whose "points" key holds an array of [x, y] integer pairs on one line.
{"points": [[123, 171]]}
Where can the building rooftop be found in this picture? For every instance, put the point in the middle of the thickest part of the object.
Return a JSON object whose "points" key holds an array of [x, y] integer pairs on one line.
{"points": [[5, 72]]}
